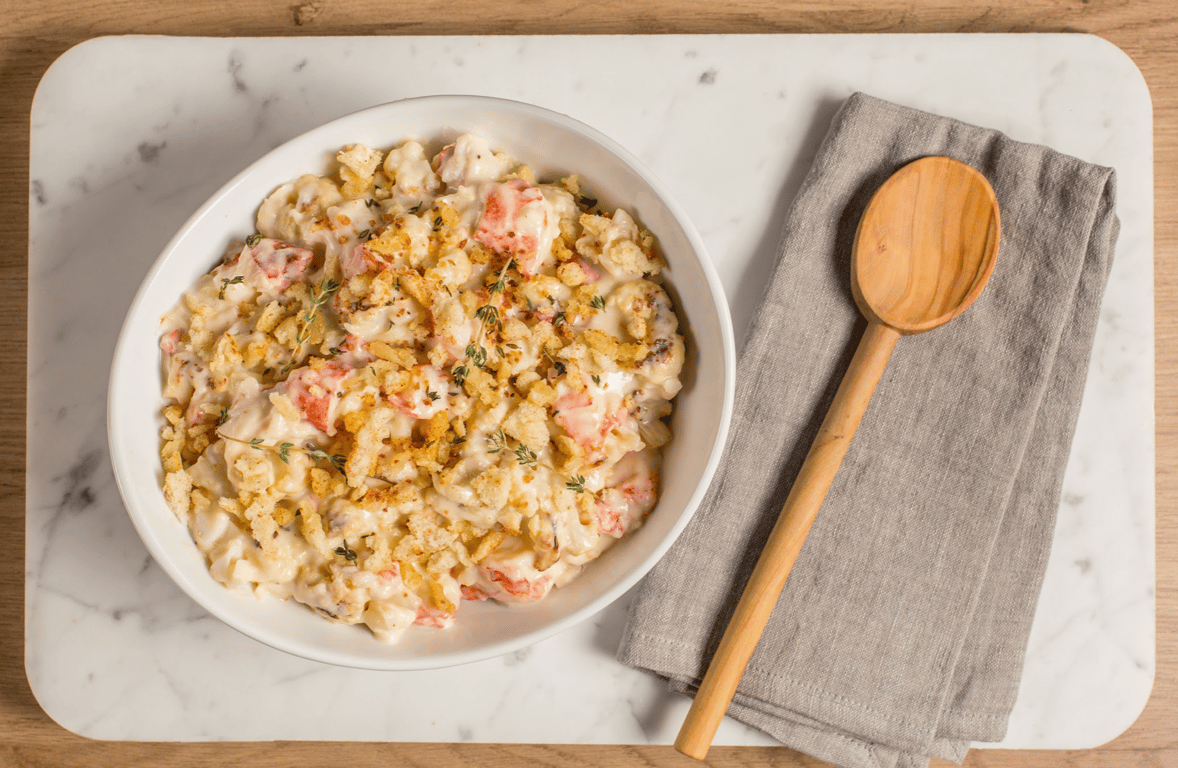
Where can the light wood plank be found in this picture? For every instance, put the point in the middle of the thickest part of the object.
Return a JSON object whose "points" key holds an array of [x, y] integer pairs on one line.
{"points": [[33, 34]]}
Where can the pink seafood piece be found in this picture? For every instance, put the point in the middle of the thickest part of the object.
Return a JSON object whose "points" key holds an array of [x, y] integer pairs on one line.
{"points": [[591, 274], [625, 503], [169, 341], [362, 259], [512, 223], [429, 616], [356, 347], [589, 421], [272, 265], [194, 415], [441, 158], [313, 392], [428, 392], [518, 584], [474, 592]]}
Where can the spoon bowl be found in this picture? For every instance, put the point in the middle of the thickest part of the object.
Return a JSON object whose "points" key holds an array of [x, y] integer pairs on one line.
{"points": [[926, 245], [924, 250]]}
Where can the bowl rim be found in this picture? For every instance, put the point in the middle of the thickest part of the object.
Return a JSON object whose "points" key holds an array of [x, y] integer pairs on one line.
{"points": [[117, 438]]}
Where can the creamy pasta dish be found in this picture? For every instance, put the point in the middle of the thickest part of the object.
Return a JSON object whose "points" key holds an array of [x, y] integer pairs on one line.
{"points": [[421, 381]]}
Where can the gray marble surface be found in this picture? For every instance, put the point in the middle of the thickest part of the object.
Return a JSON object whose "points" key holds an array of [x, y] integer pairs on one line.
{"points": [[130, 135]]}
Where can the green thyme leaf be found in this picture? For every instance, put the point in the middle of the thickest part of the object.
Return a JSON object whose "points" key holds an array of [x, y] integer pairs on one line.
{"points": [[319, 296], [558, 365], [346, 552], [525, 455], [477, 354], [228, 281], [498, 442], [501, 284], [324, 290]]}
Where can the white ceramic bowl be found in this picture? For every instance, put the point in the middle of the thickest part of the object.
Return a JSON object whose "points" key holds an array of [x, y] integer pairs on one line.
{"points": [[552, 144]]}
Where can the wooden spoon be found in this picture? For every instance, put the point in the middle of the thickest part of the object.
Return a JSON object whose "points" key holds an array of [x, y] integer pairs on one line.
{"points": [[923, 252]]}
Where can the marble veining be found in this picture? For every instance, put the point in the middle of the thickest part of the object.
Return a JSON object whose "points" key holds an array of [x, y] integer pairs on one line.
{"points": [[130, 135]]}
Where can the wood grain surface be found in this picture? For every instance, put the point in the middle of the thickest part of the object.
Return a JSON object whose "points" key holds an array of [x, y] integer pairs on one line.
{"points": [[33, 34]]}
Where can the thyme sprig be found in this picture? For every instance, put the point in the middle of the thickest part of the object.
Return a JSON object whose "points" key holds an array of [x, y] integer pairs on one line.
{"points": [[488, 316], [319, 296], [498, 441], [288, 366], [228, 281], [525, 455], [501, 284], [557, 364], [477, 354], [284, 448], [346, 552]]}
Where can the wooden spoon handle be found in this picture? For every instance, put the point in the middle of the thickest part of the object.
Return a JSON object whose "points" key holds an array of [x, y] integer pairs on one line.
{"points": [[785, 541]]}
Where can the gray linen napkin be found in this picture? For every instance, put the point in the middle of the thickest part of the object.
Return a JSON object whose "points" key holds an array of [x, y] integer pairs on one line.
{"points": [[901, 632]]}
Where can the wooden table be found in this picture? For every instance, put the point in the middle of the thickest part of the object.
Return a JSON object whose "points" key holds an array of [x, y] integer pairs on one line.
{"points": [[33, 34]]}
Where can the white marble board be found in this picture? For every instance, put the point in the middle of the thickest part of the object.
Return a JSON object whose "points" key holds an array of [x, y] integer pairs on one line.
{"points": [[131, 134]]}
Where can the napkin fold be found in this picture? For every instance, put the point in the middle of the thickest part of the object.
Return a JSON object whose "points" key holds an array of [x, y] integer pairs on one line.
{"points": [[901, 632]]}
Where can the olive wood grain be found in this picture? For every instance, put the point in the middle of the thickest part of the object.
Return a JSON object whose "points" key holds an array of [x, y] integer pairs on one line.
{"points": [[924, 249], [923, 258]]}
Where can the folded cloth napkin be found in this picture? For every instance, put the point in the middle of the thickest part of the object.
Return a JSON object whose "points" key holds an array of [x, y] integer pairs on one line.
{"points": [[901, 632]]}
